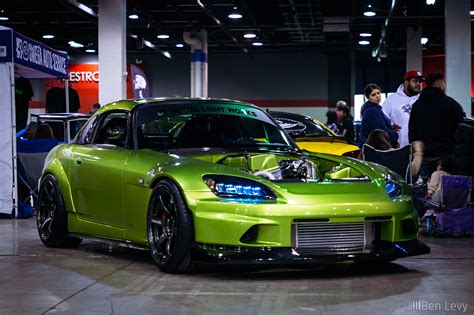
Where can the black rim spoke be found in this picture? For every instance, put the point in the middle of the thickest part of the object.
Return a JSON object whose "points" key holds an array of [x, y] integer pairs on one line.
{"points": [[163, 226], [157, 221], [47, 209]]}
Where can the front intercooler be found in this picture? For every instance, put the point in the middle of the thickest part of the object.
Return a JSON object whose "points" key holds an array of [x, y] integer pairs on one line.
{"points": [[333, 238]]}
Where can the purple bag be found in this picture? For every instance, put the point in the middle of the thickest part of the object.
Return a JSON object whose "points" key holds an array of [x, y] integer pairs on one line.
{"points": [[455, 222]]}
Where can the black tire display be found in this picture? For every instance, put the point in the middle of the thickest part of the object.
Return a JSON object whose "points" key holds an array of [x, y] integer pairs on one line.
{"points": [[170, 229], [51, 215]]}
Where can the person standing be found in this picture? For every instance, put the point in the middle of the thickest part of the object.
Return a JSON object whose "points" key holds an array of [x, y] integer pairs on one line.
{"points": [[398, 106], [95, 107], [345, 122], [373, 116], [331, 121], [433, 120]]}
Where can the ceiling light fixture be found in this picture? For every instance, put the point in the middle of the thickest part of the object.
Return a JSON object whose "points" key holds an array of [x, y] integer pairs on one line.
{"points": [[48, 36], [471, 12], [148, 44], [163, 36], [90, 50], [364, 42], [365, 35], [3, 17], [369, 11], [250, 35], [82, 7], [234, 14], [74, 44], [424, 40], [257, 44], [430, 2], [167, 54], [133, 17], [179, 45]]}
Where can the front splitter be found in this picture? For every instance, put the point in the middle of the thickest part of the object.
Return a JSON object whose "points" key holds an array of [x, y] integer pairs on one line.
{"points": [[240, 255]]}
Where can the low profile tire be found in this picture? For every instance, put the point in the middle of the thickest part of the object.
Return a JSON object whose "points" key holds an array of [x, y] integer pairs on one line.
{"points": [[169, 229], [51, 215]]}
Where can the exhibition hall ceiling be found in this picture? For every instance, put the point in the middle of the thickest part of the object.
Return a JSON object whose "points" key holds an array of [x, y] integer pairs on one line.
{"points": [[263, 26]]}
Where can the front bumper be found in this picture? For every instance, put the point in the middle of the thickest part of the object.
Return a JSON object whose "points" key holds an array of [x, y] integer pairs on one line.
{"points": [[382, 250]]}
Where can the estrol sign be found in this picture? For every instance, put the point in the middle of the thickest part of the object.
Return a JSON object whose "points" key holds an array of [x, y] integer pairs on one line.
{"points": [[84, 76], [85, 79]]}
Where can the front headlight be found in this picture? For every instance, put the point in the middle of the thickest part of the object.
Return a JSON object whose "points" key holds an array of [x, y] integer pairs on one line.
{"points": [[237, 187], [392, 185]]}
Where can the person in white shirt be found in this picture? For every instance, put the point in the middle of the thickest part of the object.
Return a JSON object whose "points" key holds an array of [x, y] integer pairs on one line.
{"points": [[397, 107]]}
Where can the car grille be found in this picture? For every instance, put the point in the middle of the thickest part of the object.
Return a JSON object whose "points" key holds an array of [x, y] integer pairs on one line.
{"points": [[333, 238]]}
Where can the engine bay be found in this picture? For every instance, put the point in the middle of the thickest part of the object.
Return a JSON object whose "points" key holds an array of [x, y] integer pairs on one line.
{"points": [[300, 168]]}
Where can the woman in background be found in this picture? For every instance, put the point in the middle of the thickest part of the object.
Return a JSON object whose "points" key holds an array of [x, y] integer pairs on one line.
{"points": [[373, 116]]}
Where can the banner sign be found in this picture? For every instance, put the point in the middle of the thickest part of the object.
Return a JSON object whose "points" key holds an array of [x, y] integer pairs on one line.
{"points": [[32, 54], [141, 87]]}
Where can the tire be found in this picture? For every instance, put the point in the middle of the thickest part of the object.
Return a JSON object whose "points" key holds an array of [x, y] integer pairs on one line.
{"points": [[51, 215], [170, 230]]}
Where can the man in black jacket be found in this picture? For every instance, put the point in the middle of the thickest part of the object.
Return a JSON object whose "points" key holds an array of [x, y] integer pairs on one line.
{"points": [[433, 120]]}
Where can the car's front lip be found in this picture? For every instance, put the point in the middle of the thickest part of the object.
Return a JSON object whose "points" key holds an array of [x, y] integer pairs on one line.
{"points": [[382, 250]]}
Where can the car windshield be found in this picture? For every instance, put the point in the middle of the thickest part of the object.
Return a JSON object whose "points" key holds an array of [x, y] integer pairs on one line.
{"points": [[204, 124], [302, 126]]}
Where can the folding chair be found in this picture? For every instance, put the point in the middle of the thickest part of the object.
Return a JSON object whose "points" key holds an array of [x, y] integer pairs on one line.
{"points": [[455, 191], [30, 157], [455, 213], [30, 166], [397, 160]]}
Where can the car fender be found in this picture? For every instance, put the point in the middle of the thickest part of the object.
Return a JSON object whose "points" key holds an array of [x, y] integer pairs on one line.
{"points": [[54, 167]]}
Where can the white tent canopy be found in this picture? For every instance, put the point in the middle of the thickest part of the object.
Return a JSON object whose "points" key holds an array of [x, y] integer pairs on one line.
{"points": [[21, 56]]}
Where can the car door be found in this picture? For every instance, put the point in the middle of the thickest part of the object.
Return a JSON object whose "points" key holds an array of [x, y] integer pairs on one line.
{"points": [[96, 174]]}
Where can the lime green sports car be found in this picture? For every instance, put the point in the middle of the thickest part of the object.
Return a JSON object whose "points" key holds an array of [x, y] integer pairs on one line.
{"points": [[212, 180]]}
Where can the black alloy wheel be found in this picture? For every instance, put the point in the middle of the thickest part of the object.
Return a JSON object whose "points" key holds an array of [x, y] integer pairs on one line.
{"points": [[170, 229], [51, 216]]}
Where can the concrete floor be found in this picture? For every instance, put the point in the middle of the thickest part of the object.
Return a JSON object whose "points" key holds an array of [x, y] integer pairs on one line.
{"points": [[98, 279]]}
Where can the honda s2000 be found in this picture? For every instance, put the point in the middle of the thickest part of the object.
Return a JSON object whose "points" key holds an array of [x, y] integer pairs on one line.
{"points": [[209, 180]]}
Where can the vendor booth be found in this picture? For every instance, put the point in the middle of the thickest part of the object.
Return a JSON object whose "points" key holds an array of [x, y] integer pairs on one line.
{"points": [[20, 56]]}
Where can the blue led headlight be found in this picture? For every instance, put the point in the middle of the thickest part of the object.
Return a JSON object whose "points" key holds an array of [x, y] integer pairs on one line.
{"points": [[237, 187], [392, 185]]}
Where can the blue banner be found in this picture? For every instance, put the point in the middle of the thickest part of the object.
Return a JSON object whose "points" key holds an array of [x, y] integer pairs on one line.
{"points": [[32, 54], [6, 53]]}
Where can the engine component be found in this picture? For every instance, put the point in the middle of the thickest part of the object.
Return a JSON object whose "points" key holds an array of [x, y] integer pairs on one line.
{"points": [[301, 169], [268, 167]]}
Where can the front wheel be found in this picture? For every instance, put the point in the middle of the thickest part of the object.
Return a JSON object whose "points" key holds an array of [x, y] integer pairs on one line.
{"points": [[169, 229], [51, 215]]}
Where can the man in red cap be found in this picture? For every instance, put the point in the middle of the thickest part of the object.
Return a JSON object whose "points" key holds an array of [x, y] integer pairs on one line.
{"points": [[397, 107]]}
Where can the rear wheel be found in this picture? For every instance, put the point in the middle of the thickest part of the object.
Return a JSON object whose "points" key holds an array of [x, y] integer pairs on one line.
{"points": [[51, 215], [169, 229]]}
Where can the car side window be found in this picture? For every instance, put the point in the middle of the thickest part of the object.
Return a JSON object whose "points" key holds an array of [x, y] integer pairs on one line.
{"points": [[84, 136], [113, 129]]}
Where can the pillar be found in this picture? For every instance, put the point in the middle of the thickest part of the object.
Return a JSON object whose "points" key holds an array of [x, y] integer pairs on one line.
{"points": [[458, 51], [199, 65], [112, 50], [414, 59]]}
